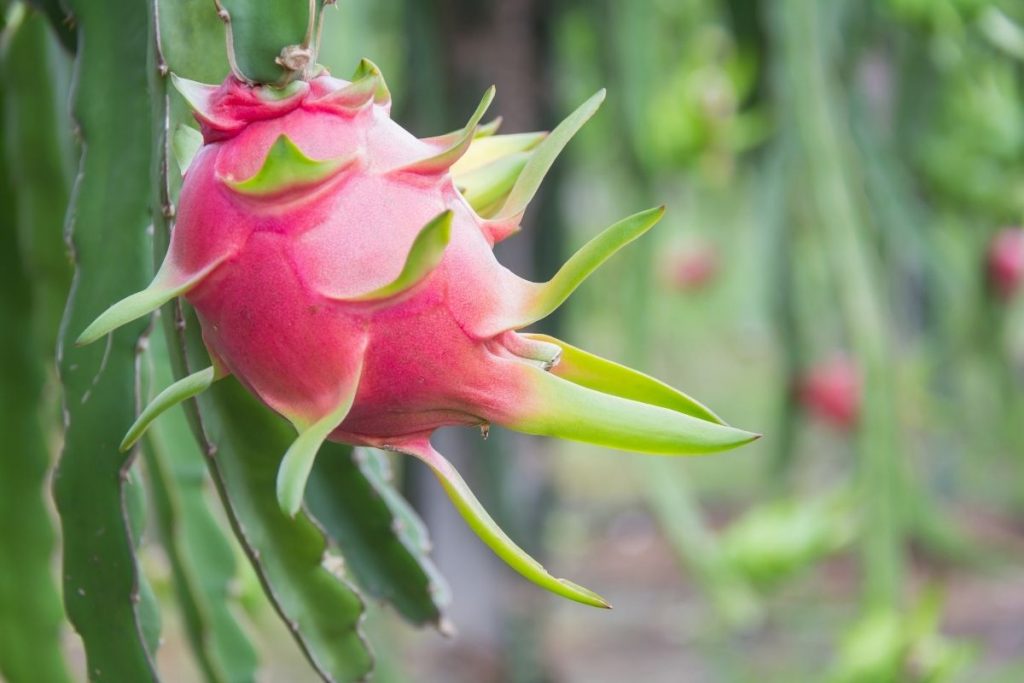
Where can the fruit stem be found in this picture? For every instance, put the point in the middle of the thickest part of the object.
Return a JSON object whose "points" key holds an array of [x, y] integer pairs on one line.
{"points": [[230, 42], [320, 31]]}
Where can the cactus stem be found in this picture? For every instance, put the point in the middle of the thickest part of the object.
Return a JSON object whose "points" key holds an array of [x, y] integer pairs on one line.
{"points": [[230, 42], [308, 41]]}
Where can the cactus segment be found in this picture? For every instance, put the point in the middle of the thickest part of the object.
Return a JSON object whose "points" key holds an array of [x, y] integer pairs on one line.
{"points": [[351, 495], [185, 143], [202, 562], [269, 42], [163, 288], [287, 168], [98, 497], [488, 530], [485, 187], [600, 374], [370, 72], [486, 150], [455, 144], [544, 156], [425, 255], [298, 460], [184, 389], [554, 406]]}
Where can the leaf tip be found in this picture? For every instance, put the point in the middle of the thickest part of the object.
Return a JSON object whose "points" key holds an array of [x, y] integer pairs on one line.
{"points": [[584, 595]]}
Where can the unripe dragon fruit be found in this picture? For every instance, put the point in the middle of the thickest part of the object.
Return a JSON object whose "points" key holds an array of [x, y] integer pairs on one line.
{"points": [[343, 271]]}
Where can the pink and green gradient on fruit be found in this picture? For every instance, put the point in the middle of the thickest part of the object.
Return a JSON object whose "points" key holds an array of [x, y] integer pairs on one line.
{"points": [[343, 271]]}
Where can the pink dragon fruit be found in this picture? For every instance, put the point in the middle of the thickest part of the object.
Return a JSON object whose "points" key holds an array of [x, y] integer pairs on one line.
{"points": [[831, 391], [1005, 262], [343, 271]]}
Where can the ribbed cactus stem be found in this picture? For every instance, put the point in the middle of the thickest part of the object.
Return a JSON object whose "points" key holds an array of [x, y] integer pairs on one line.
{"points": [[271, 42]]}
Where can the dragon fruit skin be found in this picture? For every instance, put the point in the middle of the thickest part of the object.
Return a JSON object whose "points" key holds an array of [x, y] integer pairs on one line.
{"points": [[342, 274]]}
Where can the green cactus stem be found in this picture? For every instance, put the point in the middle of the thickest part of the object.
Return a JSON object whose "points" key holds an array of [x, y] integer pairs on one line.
{"points": [[105, 596], [385, 544]]}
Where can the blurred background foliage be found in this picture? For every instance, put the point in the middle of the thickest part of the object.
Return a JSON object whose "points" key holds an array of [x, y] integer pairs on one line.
{"points": [[838, 269]]}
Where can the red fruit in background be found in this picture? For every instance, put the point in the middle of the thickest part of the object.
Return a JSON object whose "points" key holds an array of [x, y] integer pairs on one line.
{"points": [[831, 392], [691, 267], [1005, 261]]}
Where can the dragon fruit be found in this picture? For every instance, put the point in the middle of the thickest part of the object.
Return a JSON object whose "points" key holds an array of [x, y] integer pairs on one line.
{"points": [[1005, 262], [831, 391], [342, 270]]}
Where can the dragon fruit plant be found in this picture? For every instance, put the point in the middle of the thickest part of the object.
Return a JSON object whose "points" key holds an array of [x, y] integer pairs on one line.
{"points": [[343, 271]]}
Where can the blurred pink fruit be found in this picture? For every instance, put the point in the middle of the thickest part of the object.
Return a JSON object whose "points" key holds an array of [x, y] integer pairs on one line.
{"points": [[1005, 261], [831, 391], [691, 267]]}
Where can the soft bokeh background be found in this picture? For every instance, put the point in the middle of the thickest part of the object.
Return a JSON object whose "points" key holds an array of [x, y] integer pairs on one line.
{"points": [[834, 271], [835, 173]]}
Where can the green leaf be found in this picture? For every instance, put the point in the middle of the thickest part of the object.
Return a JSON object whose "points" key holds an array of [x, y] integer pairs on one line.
{"points": [[287, 168], [486, 186], [201, 557], [184, 389], [164, 287], [186, 143], [545, 297], [558, 407], [109, 221], [298, 460], [365, 88], [456, 144], [587, 370], [31, 617], [368, 74], [490, 533], [488, 149], [384, 542], [197, 95], [425, 255], [544, 157], [488, 129]]}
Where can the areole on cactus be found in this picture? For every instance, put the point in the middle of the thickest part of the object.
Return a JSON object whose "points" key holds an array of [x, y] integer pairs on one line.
{"points": [[343, 271]]}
